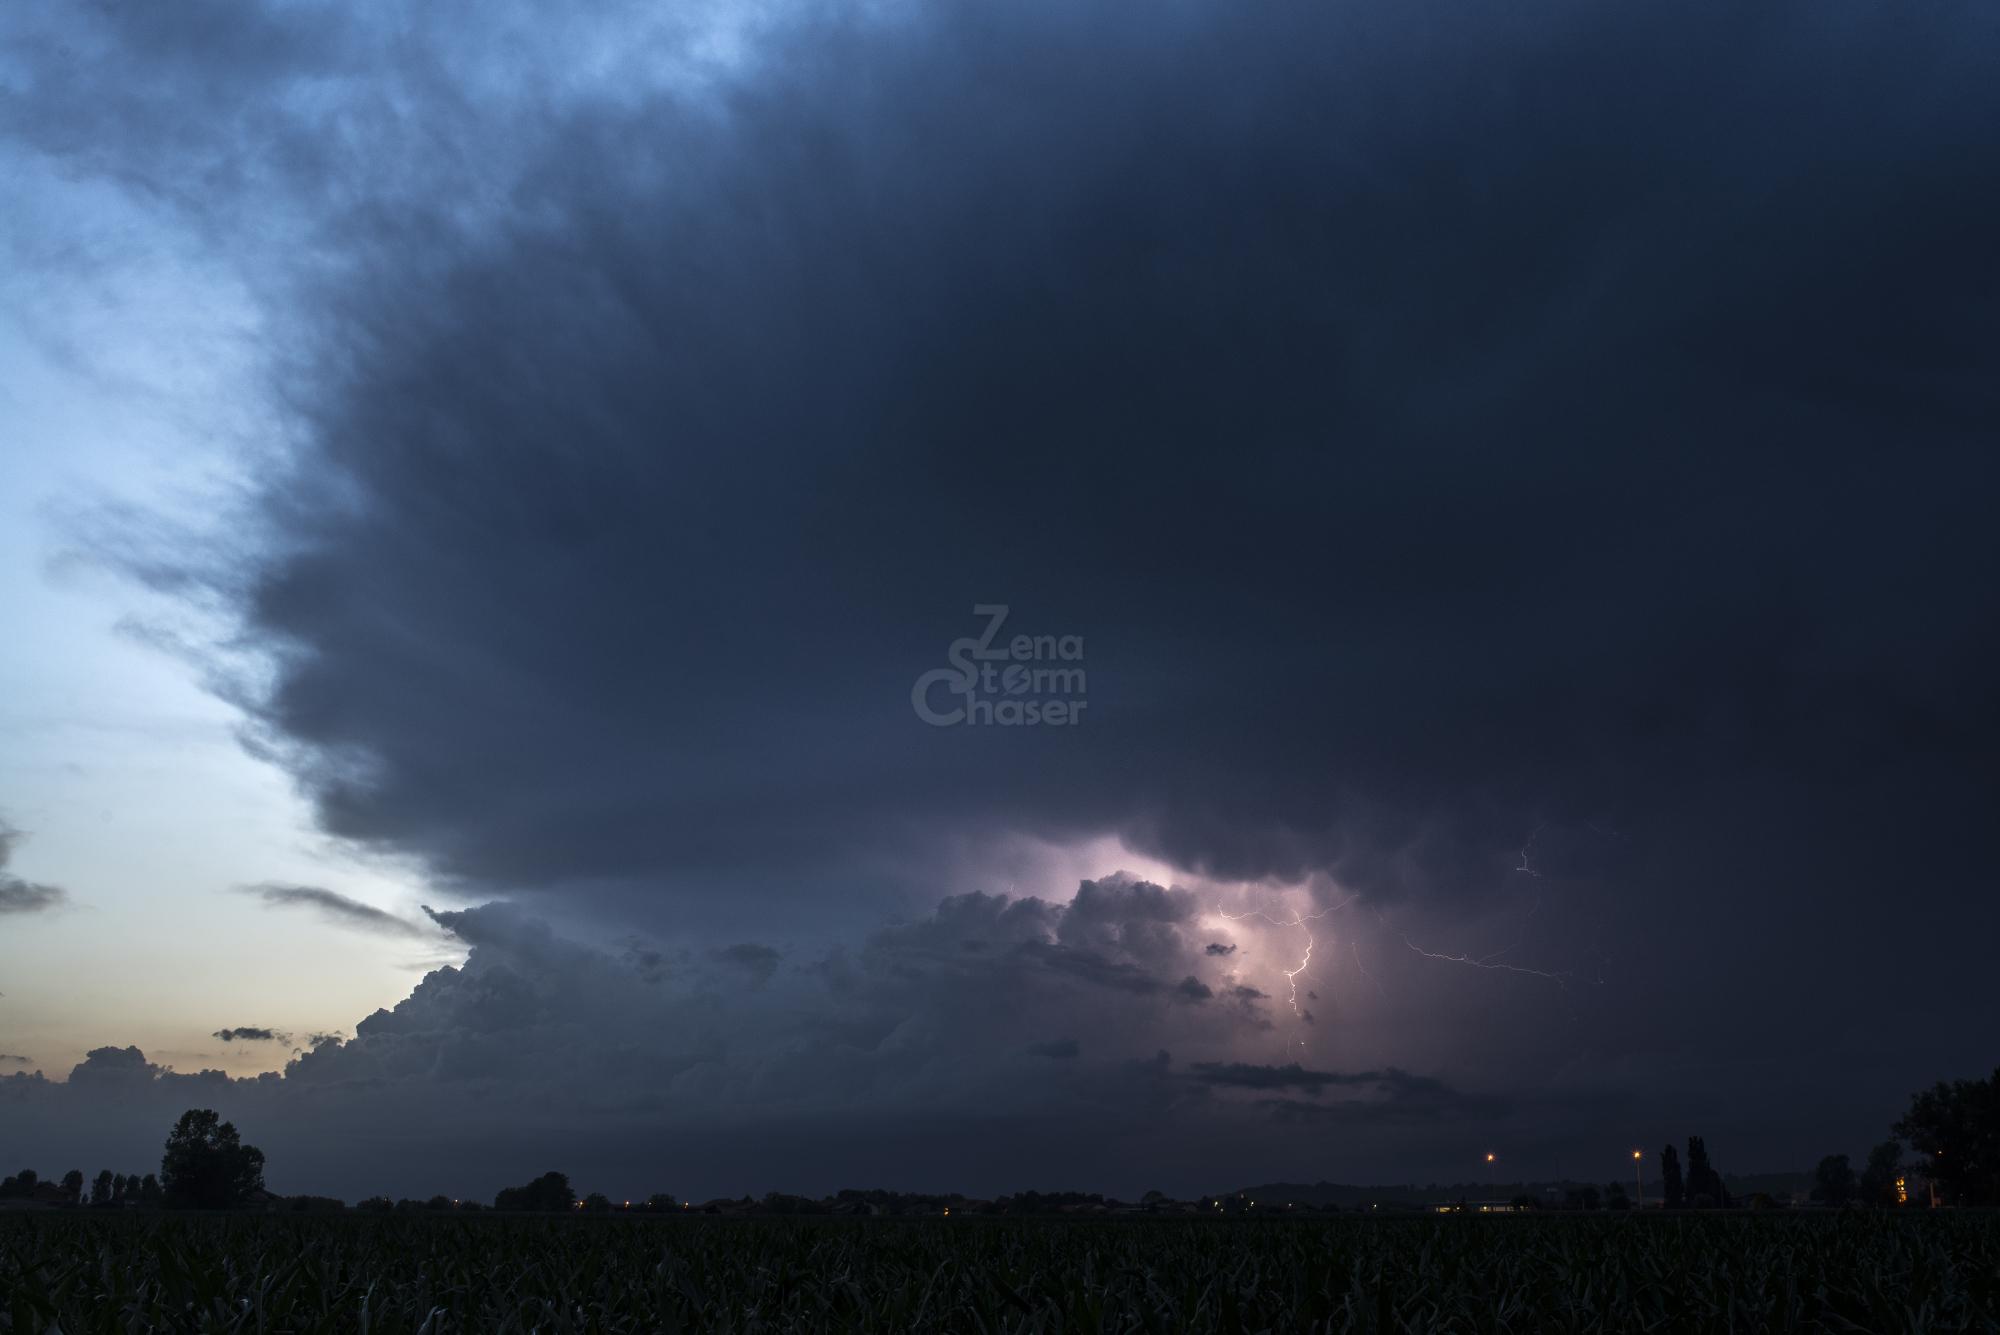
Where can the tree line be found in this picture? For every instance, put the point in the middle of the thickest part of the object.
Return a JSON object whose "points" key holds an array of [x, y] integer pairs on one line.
{"points": [[1952, 1130], [206, 1166], [107, 1188]]}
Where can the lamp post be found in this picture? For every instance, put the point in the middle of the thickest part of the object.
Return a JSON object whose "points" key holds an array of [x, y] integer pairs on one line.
{"points": [[1638, 1180], [1490, 1182]]}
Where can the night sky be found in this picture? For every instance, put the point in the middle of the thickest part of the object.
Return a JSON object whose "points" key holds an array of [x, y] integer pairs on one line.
{"points": [[1514, 485]]}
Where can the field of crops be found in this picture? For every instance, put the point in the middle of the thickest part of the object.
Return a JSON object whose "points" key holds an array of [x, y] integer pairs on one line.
{"points": [[1874, 1272]]}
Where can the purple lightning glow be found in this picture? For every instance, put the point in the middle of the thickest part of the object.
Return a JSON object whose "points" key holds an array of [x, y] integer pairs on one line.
{"points": [[1298, 920]]}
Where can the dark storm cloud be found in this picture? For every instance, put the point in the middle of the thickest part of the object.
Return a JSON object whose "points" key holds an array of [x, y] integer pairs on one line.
{"points": [[1094, 968], [1242, 1075], [887, 1064], [334, 907], [18, 1061], [1372, 1097], [759, 961], [251, 1034], [1433, 429], [898, 1043], [18, 895], [1534, 459]]}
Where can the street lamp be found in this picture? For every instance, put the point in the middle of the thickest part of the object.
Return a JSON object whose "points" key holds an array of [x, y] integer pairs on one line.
{"points": [[1490, 1184], [1638, 1180]]}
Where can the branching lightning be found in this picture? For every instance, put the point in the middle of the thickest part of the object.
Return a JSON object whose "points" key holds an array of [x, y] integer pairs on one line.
{"points": [[1496, 961], [1526, 865], [1490, 962], [1298, 920]]}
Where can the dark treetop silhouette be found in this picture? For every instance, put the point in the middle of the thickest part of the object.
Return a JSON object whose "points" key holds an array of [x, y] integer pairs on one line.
{"points": [[207, 1166]]}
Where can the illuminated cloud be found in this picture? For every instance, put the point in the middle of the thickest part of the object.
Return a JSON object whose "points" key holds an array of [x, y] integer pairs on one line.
{"points": [[936, 1024]]}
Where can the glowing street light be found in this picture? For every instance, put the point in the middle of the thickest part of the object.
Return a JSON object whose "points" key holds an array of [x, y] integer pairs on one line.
{"points": [[1638, 1179], [1490, 1172]]}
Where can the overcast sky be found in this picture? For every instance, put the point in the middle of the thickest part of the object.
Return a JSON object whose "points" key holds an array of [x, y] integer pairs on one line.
{"points": [[514, 529]]}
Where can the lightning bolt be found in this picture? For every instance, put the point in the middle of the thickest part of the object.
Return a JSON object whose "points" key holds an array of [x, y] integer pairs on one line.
{"points": [[1526, 864], [1298, 920], [1560, 977]]}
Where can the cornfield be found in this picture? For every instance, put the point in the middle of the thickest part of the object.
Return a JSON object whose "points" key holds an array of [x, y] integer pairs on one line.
{"points": [[1852, 1272]]}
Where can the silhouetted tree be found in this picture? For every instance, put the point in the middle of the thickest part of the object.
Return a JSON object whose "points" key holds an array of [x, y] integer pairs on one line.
{"points": [[1704, 1184], [149, 1190], [1670, 1178], [596, 1203], [1615, 1197], [72, 1185], [1833, 1181], [1878, 1179], [207, 1166], [1956, 1128], [100, 1187], [550, 1191], [120, 1184]]}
